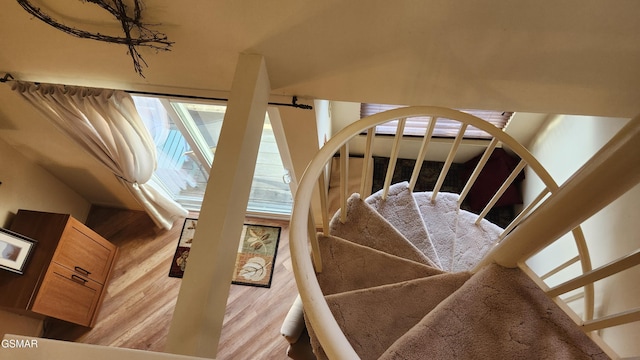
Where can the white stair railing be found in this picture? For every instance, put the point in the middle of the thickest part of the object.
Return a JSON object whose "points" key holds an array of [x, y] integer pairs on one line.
{"points": [[333, 341], [610, 173]]}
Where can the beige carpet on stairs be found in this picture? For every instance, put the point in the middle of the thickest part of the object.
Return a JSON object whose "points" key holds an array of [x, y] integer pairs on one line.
{"points": [[393, 304], [459, 241], [354, 266], [351, 266], [441, 221], [365, 226], [374, 318], [472, 241], [497, 314], [401, 211]]}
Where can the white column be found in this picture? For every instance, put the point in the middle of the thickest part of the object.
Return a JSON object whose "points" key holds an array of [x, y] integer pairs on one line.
{"points": [[301, 130], [199, 313]]}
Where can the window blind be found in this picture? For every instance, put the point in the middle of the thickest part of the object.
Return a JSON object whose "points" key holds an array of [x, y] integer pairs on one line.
{"points": [[447, 128]]}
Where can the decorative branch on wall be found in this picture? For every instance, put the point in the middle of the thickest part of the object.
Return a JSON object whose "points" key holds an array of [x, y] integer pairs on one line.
{"points": [[136, 33]]}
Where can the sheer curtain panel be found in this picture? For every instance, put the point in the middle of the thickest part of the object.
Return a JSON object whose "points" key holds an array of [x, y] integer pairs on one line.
{"points": [[107, 125]]}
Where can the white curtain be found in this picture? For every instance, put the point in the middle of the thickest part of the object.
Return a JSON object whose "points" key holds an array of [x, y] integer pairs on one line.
{"points": [[106, 124]]}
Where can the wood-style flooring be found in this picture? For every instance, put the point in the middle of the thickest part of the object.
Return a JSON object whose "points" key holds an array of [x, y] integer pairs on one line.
{"points": [[137, 309]]}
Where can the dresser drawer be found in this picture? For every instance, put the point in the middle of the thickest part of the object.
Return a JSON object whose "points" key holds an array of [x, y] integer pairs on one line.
{"points": [[84, 252], [67, 296]]}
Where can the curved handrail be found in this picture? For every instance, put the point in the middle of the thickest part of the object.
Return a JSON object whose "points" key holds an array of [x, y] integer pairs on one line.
{"points": [[333, 341]]}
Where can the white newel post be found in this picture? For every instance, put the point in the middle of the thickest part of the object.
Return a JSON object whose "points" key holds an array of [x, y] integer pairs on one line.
{"points": [[199, 313]]}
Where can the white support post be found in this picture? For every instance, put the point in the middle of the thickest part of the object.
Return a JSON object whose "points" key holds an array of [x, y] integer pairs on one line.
{"points": [[365, 187], [422, 154], [344, 181], [199, 313], [476, 172], [449, 161], [393, 158], [324, 206], [501, 191]]}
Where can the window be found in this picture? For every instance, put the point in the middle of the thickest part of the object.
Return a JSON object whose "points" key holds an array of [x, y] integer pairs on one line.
{"points": [[186, 135], [444, 127]]}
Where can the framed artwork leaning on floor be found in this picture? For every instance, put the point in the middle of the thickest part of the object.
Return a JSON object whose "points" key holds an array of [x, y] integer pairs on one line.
{"points": [[15, 251], [255, 259]]}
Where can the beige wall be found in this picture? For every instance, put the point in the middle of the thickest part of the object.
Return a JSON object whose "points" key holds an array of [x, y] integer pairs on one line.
{"points": [[562, 146], [26, 185]]}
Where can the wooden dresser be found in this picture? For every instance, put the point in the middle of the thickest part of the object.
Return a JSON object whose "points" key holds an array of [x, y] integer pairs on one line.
{"points": [[67, 273]]}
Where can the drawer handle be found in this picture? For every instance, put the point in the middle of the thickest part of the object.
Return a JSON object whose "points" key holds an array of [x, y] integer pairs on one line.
{"points": [[78, 279], [81, 270]]}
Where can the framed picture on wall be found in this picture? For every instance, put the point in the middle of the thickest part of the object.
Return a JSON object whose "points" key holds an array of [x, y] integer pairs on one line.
{"points": [[15, 251]]}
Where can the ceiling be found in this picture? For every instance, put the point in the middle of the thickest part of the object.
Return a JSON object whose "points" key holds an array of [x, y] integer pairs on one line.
{"points": [[547, 56]]}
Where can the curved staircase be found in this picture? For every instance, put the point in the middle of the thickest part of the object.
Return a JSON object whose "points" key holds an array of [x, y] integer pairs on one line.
{"points": [[397, 280], [409, 275]]}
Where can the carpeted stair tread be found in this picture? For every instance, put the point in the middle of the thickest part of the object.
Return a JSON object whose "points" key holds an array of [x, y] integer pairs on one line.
{"points": [[400, 209], [351, 266], [373, 319], [459, 241], [365, 226], [441, 220], [473, 241], [497, 314]]}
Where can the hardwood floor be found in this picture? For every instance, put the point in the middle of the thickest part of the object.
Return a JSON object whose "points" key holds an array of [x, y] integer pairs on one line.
{"points": [[137, 309]]}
